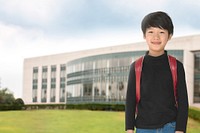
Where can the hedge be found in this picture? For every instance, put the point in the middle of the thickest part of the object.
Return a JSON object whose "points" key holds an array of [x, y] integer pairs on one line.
{"points": [[81, 106], [194, 113], [97, 106], [45, 106], [6, 107]]}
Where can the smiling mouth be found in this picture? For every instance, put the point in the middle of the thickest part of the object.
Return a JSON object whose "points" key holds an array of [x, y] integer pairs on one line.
{"points": [[156, 43]]}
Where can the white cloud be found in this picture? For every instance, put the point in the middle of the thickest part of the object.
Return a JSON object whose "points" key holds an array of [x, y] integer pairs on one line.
{"points": [[12, 36], [37, 10], [191, 3], [40, 12], [184, 30], [14, 41], [136, 7]]}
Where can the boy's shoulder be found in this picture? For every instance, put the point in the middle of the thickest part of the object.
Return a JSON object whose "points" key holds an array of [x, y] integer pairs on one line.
{"points": [[179, 63]]}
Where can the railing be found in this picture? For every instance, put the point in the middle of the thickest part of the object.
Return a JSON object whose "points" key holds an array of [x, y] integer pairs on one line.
{"points": [[87, 99]]}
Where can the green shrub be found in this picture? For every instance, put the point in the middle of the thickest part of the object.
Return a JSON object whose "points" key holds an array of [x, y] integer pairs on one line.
{"points": [[5, 107], [194, 113], [97, 106], [44, 106], [80, 106]]}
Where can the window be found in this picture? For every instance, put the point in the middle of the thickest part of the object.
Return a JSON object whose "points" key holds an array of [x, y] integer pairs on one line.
{"points": [[53, 68], [197, 77], [35, 84]]}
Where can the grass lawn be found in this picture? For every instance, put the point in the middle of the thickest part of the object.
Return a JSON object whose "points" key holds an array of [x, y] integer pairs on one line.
{"points": [[68, 121]]}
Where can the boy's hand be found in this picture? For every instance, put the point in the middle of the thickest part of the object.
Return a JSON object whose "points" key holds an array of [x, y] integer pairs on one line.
{"points": [[129, 131]]}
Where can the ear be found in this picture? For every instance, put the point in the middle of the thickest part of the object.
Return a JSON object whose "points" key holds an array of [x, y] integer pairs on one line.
{"points": [[170, 36]]}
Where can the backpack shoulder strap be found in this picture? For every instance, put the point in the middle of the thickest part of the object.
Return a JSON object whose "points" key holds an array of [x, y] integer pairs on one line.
{"points": [[138, 70], [173, 67]]}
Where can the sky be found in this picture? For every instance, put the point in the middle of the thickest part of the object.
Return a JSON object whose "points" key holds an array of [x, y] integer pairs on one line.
{"points": [[32, 28]]}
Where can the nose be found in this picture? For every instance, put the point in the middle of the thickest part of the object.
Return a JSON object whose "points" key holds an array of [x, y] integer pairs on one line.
{"points": [[156, 36]]}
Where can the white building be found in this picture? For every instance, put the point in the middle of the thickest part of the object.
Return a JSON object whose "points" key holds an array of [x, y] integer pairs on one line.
{"points": [[100, 75]]}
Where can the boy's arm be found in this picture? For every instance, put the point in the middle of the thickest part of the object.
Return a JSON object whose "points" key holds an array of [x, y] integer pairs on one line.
{"points": [[182, 113], [130, 101]]}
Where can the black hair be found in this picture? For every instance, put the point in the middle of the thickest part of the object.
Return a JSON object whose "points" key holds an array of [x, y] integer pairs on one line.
{"points": [[157, 19]]}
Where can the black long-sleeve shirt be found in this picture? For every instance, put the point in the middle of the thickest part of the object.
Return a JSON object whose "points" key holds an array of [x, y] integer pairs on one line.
{"points": [[157, 102]]}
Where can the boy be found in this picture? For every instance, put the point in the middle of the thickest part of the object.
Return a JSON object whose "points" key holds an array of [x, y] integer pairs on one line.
{"points": [[157, 110]]}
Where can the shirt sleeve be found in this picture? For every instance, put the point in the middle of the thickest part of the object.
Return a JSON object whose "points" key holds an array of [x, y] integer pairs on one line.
{"points": [[182, 113], [130, 100]]}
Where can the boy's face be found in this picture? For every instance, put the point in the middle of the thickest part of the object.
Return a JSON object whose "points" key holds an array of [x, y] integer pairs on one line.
{"points": [[156, 39]]}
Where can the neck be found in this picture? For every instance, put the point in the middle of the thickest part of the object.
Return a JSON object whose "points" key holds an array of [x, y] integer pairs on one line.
{"points": [[155, 54]]}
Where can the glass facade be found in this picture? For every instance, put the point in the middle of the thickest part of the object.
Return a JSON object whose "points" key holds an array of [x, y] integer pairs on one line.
{"points": [[102, 78], [197, 77]]}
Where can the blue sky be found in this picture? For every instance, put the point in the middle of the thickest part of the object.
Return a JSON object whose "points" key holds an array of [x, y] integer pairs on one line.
{"points": [[30, 28]]}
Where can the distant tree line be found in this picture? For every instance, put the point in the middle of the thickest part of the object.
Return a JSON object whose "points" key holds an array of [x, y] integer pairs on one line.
{"points": [[8, 101]]}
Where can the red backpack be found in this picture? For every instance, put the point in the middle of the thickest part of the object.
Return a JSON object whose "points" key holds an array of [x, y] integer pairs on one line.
{"points": [[138, 70]]}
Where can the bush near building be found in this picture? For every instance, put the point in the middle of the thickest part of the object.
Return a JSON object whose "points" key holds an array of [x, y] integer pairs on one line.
{"points": [[98, 106], [8, 102], [82, 106], [44, 106], [194, 113]]}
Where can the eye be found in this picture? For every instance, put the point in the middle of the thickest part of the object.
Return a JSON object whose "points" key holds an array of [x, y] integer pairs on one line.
{"points": [[162, 32], [150, 31]]}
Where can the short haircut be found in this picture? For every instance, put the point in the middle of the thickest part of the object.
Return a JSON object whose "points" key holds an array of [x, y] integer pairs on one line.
{"points": [[159, 20]]}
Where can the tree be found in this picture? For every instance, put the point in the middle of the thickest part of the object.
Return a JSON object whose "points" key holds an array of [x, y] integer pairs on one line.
{"points": [[6, 97], [18, 104], [19, 101], [8, 102]]}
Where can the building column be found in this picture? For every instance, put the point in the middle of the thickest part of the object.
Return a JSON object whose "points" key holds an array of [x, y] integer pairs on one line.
{"points": [[39, 89], [58, 90], [188, 62], [48, 84]]}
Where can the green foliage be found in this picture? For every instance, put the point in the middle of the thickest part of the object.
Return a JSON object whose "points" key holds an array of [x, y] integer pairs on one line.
{"points": [[98, 106], [6, 97], [19, 101], [18, 104], [8, 102], [45, 106], [194, 113], [86, 106]]}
